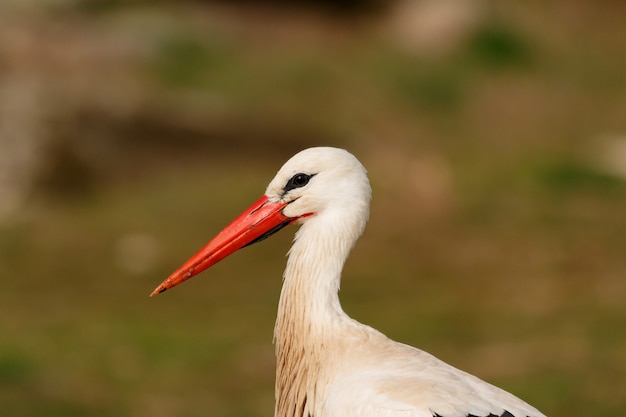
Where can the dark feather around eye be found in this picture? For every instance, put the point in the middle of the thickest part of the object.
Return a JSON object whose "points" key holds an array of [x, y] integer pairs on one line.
{"points": [[297, 181]]}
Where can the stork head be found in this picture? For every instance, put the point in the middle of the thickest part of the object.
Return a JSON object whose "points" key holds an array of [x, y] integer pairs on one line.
{"points": [[317, 180], [317, 184]]}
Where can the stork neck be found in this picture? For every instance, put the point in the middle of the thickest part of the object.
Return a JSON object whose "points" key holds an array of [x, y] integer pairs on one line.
{"points": [[313, 275], [309, 315]]}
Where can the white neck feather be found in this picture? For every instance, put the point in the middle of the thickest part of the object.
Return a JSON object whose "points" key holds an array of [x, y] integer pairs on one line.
{"points": [[309, 312]]}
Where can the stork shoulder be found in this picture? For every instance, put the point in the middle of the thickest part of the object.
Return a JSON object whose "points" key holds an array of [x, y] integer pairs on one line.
{"points": [[393, 379]]}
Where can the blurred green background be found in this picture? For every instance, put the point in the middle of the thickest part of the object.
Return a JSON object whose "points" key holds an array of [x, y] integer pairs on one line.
{"points": [[132, 131]]}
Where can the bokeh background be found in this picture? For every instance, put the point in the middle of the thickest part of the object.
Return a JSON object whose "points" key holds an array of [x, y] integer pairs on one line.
{"points": [[132, 131]]}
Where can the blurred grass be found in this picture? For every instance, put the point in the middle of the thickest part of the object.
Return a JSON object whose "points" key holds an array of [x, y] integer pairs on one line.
{"points": [[496, 239]]}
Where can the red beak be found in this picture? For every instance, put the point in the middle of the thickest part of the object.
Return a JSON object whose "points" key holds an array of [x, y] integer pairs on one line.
{"points": [[259, 221]]}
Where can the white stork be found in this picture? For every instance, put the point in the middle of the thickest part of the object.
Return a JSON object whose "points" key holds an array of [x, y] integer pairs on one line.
{"points": [[328, 364]]}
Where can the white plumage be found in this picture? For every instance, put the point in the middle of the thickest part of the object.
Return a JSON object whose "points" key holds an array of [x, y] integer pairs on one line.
{"points": [[329, 365]]}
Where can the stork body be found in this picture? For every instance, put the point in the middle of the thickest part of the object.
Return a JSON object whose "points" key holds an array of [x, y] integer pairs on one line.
{"points": [[329, 365]]}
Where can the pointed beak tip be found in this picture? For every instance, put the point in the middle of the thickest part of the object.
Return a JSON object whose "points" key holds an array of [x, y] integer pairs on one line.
{"points": [[158, 290]]}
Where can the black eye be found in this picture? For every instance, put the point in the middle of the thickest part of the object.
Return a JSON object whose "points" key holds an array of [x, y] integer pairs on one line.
{"points": [[297, 181]]}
